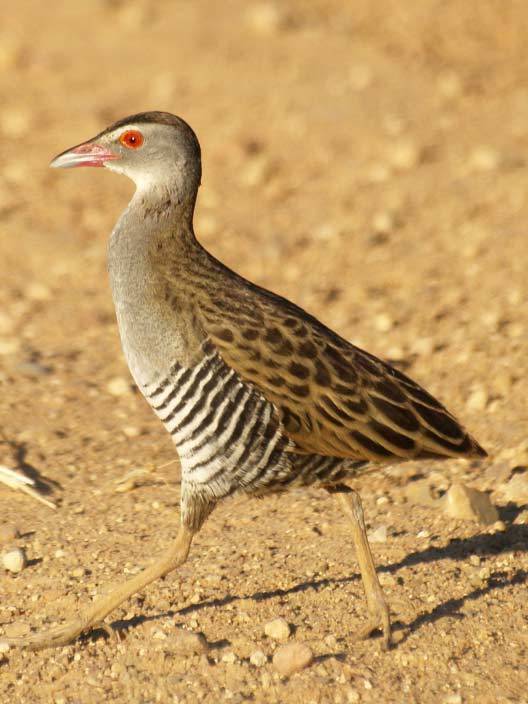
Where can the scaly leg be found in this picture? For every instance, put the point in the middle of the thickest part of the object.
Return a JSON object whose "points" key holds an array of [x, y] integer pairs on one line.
{"points": [[93, 616], [377, 605]]}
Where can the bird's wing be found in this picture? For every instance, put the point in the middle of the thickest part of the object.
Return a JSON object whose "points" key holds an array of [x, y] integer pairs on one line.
{"points": [[333, 398]]}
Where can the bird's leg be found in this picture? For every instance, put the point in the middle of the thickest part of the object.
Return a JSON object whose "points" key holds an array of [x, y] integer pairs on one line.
{"points": [[377, 605], [93, 616]]}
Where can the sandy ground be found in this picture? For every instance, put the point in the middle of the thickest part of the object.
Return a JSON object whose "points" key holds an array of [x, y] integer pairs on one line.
{"points": [[367, 160]]}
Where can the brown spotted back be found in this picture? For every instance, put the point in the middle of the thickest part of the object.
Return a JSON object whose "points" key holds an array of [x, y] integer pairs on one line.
{"points": [[334, 399]]}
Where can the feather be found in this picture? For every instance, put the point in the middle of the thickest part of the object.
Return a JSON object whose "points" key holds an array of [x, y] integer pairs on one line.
{"points": [[333, 398]]}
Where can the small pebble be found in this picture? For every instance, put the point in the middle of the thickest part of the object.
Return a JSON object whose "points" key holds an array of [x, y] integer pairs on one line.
{"points": [[478, 400], [243, 647], [4, 647], [8, 533], [516, 489], [453, 699], [475, 580], [131, 431], [188, 643], [422, 346], [469, 504], [395, 353], [230, 658], [484, 158], [330, 641], [522, 518], [326, 232], [386, 580], [496, 474], [16, 630], [404, 155], [14, 560], [498, 527], [258, 658], [9, 345], [383, 222], [132, 16], [484, 573], [291, 658], [516, 330], [379, 535], [264, 18], [419, 492], [278, 629], [256, 171], [78, 572], [213, 579], [37, 292], [118, 386], [383, 322]]}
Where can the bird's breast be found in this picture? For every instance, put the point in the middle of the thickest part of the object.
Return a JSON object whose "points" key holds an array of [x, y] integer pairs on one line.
{"points": [[154, 331]]}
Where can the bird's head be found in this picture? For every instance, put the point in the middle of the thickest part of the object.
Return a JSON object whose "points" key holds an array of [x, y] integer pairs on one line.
{"points": [[157, 150]]}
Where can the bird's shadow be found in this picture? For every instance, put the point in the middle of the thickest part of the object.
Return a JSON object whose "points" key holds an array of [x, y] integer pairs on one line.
{"points": [[457, 549]]}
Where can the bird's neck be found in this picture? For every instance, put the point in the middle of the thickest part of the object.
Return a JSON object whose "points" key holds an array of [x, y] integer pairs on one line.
{"points": [[151, 249], [157, 221], [162, 203]]}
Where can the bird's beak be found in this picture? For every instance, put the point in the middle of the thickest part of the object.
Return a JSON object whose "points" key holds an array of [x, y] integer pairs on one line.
{"points": [[86, 154]]}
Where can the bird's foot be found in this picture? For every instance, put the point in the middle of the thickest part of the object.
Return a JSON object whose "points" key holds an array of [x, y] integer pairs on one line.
{"points": [[55, 637], [379, 621]]}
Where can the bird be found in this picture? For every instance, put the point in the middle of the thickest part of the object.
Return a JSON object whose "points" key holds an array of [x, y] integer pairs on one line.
{"points": [[258, 395]]}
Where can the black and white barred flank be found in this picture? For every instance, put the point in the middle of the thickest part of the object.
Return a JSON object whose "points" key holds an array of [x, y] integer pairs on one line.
{"points": [[229, 437]]}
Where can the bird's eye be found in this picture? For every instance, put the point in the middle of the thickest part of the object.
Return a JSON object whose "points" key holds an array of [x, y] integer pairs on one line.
{"points": [[132, 139]]}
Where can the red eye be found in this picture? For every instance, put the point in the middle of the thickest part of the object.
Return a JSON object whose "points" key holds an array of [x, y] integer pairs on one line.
{"points": [[132, 139]]}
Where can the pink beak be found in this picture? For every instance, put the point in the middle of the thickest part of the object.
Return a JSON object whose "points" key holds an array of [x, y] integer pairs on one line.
{"points": [[87, 154]]}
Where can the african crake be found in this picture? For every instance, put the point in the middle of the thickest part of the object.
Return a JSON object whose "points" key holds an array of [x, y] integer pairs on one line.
{"points": [[258, 395]]}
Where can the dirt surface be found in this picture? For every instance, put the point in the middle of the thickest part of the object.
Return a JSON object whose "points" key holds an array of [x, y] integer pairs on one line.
{"points": [[368, 161]]}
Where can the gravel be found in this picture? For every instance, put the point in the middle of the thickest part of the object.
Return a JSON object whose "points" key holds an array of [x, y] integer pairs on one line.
{"points": [[278, 629], [14, 560], [470, 504], [292, 658]]}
